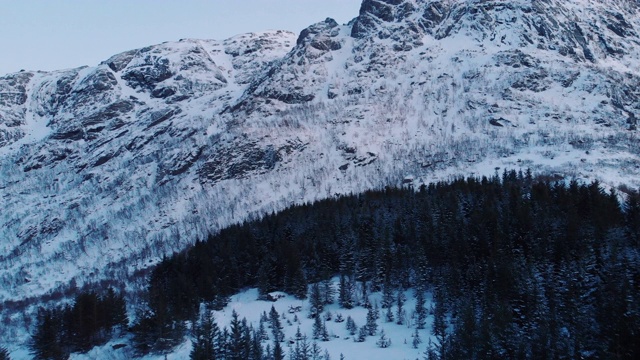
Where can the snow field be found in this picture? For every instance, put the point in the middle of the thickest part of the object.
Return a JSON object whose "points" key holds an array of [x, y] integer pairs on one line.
{"points": [[247, 306]]}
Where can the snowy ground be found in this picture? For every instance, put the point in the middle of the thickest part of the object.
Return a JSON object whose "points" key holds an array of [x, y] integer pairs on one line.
{"points": [[246, 305]]}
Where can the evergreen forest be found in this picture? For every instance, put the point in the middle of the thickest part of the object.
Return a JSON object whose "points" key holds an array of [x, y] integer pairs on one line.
{"points": [[519, 267]]}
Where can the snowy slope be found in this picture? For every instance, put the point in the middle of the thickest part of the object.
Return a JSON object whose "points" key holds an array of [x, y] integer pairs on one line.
{"points": [[104, 170], [341, 342]]}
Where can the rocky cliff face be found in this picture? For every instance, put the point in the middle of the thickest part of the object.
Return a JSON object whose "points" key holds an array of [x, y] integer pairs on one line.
{"points": [[104, 170]]}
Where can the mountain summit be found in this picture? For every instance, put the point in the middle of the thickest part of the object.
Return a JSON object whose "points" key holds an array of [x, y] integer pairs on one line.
{"points": [[104, 170]]}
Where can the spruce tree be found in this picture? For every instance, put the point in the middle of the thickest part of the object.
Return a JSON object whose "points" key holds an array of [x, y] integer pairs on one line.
{"points": [[389, 315], [268, 354], [324, 334], [4, 354], [296, 282], [302, 350], [326, 355], [276, 326], [45, 342], [339, 318], [221, 344], [328, 316], [205, 333], [400, 312], [416, 340], [387, 294], [115, 311], [278, 352], [430, 352], [383, 341], [362, 334], [238, 342], [372, 317], [267, 277], [86, 322], [328, 292], [317, 328], [157, 332], [246, 338], [345, 293], [315, 353], [262, 331], [159, 326], [316, 302], [421, 310], [256, 353], [351, 326], [439, 329]]}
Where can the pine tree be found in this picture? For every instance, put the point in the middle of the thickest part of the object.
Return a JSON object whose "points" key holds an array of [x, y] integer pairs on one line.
{"points": [[86, 322], [400, 312], [262, 331], [115, 311], [205, 333], [328, 316], [267, 277], [430, 352], [256, 352], [221, 344], [302, 350], [362, 334], [4, 354], [345, 295], [372, 316], [159, 327], [46, 342], [315, 353], [328, 292], [296, 282], [317, 328], [632, 218], [278, 353], [383, 341], [238, 343], [351, 326], [326, 355], [246, 338], [339, 318], [439, 329], [387, 294], [276, 326], [421, 311], [315, 301], [324, 334], [268, 354], [416, 340], [389, 315]]}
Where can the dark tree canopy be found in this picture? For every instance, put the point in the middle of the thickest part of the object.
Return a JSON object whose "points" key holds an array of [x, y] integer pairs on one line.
{"points": [[518, 267], [553, 265]]}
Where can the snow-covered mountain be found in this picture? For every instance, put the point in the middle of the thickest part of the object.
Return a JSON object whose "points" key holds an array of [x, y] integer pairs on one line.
{"points": [[103, 170]]}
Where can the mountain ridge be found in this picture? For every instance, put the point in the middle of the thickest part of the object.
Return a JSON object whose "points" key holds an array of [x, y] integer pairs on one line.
{"points": [[105, 170]]}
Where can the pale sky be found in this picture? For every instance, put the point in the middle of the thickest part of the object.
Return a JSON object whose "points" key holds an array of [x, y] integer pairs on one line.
{"points": [[61, 34]]}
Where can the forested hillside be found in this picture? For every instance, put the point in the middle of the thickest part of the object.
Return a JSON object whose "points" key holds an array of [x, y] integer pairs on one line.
{"points": [[518, 267], [105, 169]]}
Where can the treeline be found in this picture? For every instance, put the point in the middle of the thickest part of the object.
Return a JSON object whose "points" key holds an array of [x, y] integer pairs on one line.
{"points": [[519, 267], [90, 321], [522, 267]]}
